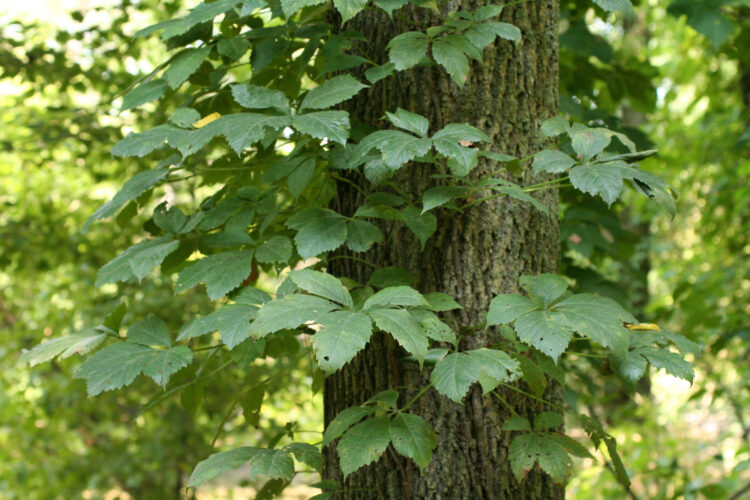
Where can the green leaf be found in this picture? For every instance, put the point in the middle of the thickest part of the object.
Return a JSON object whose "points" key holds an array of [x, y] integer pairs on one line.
{"points": [[598, 317], [440, 195], [299, 179], [390, 5], [623, 6], [342, 335], [544, 331], [363, 443], [532, 375], [220, 462], [289, 312], [241, 130], [452, 59], [413, 438], [454, 374], [324, 233], [307, 454], [275, 249], [232, 321], [143, 93], [447, 141], [64, 347], [201, 13], [422, 225], [378, 73], [396, 147], [588, 143], [136, 261], [166, 363], [552, 161], [391, 276], [290, 7], [440, 301], [409, 121], [507, 308], [349, 8], [344, 420], [547, 420], [271, 464], [407, 49], [516, 424], [496, 365], [527, 449], [597, 180], [132, 189], [671, 362], [331, 92], [480, 35], [221, 272], [555, 126], [332, 125], [184, 117], [323, 285], [404, 328], [395, 296], [515, 191], [143, 143], [487, 11], [361, 235], [546, 286], [152, 331], [233, 48], [252, 96], [118, 364], [433, 327], [505, 30], [185, 65]]}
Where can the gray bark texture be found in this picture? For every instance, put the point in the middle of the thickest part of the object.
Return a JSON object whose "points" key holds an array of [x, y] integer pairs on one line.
{"points": [[473, 256]]}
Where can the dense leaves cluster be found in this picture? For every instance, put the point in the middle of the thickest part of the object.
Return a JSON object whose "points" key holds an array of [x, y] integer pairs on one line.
{"points": [[265, 206]]}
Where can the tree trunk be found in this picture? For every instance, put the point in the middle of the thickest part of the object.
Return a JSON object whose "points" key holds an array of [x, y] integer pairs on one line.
{"points": [[473, 256]]}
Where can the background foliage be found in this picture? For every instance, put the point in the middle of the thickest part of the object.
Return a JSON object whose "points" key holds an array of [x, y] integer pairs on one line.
{"points": [[667, 77]]}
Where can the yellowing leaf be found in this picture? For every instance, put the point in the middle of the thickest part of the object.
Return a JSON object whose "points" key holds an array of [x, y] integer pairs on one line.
{"points": [[206, 120], [642, 327]]}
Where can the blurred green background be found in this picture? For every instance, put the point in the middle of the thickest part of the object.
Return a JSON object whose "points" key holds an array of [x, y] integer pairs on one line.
{"points": [[676, 77]]}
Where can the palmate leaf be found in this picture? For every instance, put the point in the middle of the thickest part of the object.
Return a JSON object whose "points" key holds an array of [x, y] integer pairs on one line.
{"points": [[423, 225], [413, 437], [270, 463], [323, 285], [332, 125], [324, 232], [361, 235], [143, 93], [396, 147], [597, 317], [342, 335], [307, 454], [185, 65], [545, 331], [344, 420], [552, 161], [447, 141], [289, 312], [132, 189], [507, 308], [454, 374], [63, 347], [363, 443], [152, 331], [276, 249], [404, 328], [548, 287], [221, 272], [409, 121], [407, 49], [527, 449], [232, 321], [221, 462], [601, 180], [452, 59], [332, 92], [395, 296], [252, 96], [349, 8], [623, 6], [118, 364], [136, 261]]}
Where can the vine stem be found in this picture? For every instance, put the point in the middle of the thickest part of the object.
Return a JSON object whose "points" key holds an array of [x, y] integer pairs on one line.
{"points": [[415, 398]]}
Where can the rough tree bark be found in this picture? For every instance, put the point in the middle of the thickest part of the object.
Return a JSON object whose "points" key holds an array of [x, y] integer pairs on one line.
{"points": [[473, 257]]}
